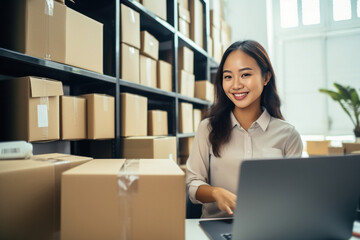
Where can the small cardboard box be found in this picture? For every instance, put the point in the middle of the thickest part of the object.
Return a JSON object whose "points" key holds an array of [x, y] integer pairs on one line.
{"points": [[164, 80], [335, 150], [149, 147], [31, 109], [130, 26], [186, 59], [197, 118], [158, 7], [186, 83], [130, 63], [184, 27], [185, 145], [197, 24], [95, 206], [149, 45], [186, 118], [157, 123], [100, 116], [133, 115], [184, 13], [204, 90], [317, 147], [73, 118], [351, 147], [148, 71]]}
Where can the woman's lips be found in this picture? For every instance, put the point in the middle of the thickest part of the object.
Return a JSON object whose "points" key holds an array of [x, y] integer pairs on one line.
{"points": [[240, 96]]}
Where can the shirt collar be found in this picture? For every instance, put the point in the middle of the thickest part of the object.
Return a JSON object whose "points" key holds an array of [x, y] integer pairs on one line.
{"points": [[263, 121]]}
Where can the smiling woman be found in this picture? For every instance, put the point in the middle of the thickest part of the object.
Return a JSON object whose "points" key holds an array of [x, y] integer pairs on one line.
{"points": [[245, 122]]}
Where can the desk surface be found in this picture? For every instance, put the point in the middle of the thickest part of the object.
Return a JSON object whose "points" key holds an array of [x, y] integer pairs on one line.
{"points": [[194, 231]]}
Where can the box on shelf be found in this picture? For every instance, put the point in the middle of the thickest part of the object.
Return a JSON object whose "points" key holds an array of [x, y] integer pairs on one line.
{"points": [[149, 45], [197, 118], [217, 51], [335, 150], [317, 147], [215, 19], [157, 123], [215, 33], [158, 7], [100, 116], [148, 71], [204, 90], [184, 3], [130, 26], [157, 189], [133, 115], [32, 108], [351, 147], [164, 73], [185, 145], [73, 118], [186, 118], [184, 13], [59, 34], [130, 63], [197, 24], [184, 27], [186, 59], [210, 47], [149, 147], [186, 83]]}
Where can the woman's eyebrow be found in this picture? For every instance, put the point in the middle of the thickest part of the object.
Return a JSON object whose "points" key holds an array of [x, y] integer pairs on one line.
{"points": [[244, 69]]}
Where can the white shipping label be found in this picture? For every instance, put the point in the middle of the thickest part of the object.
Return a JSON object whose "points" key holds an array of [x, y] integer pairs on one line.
{"points": [[42, 112]]}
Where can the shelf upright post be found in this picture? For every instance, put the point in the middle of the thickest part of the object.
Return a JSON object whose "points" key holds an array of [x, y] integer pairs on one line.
{"points": [[116, 149], [175, 78]]}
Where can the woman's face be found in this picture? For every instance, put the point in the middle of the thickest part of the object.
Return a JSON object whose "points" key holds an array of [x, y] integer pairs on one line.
{"points": [[242, 80]]}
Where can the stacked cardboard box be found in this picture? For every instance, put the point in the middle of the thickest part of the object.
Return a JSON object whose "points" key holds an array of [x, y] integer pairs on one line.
{"points": [[197, 23], [148, 57], [164, 75], [186, 78], [184, 20], [204, 90], [73, 118], [130, 44], [215, 29], [157, 123], [158, 7], [186, 112], [185, 145]]}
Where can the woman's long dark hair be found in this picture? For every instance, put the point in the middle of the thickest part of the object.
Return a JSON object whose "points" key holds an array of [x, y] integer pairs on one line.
{"points": [[219, 113]]}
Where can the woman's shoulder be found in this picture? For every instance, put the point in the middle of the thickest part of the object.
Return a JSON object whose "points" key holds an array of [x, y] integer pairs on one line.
{"points": [[281, 124], [205, 125]]}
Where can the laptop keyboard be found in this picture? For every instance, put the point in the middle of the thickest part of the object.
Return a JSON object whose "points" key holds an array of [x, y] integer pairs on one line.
{"points": [[227, 236]]}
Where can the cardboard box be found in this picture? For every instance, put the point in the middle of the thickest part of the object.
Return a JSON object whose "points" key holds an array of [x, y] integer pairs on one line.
{"points": [[184, 13], [210, 47], [351, 147], [184, 27], [59, 33], [130, 63], [130, 26], [100, 116], [158, 7], [186, 84], [335, 150], [317, 147], [197, 24], [185, 145], [133, 115], [184, 3], [73, 118], [149, 45], [197, 118], [30, 195], [186, 118], [155, 201], [204, 90], [186, 59], [32, 108], [215, 33], [164, 80], [217, 51], [148, 71], [215, 18], [157, 123], [149, 147]]}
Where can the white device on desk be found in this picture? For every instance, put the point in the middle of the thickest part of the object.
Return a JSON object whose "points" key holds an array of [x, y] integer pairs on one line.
{"points": [[15, 150], [300, 198]]}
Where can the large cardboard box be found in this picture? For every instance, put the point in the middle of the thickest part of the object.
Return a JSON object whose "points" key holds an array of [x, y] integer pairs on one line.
{"points": [[186, 118], [351, 147], [204, 90], [317, 147], [133, 115], [148, 71], [158, 7], [130, 63], [149, 45], [164, 71], [30, 195], [157, 123], [53, 32], [149, 147], [100, 116], [185, 145], [186, 59], [73, 118], [186, 83], [335, 150], [197, 118], [184, 27], [30, 107], [197, 24], [96, 206], [184, 3], [130, 26]]}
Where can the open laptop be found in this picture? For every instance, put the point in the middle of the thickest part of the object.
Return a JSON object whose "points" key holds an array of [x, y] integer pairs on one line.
{"points": [[300, 198]]}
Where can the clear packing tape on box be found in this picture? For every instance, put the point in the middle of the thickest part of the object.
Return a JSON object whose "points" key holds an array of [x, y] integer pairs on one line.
{"points": [[49, 12], [127, 179]]}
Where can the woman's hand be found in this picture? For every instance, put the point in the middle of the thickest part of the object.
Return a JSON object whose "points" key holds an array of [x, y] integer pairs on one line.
{"points": [[225, 200]]}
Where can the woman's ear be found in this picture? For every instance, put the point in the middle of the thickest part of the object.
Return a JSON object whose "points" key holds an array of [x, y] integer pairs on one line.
{"points": [[267, 78]]}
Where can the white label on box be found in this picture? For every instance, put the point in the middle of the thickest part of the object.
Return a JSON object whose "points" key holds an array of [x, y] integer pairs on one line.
{"points": [[105, 103], [42, 112]]}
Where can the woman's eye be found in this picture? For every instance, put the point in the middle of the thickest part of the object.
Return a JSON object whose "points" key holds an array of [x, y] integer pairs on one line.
{"points": [[245, 75], [227, 77]]}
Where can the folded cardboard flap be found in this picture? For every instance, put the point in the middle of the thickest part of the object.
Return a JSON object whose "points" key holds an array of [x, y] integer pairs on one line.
{"points": [[41, 87]]}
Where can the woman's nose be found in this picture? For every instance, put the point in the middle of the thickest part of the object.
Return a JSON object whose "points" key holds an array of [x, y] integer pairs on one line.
{"points": [[237, 84]]}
